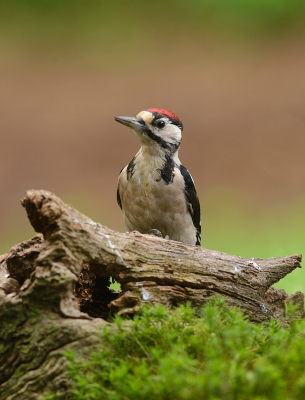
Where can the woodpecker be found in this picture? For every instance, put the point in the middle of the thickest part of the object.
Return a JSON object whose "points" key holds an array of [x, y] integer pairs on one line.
{"points": [[155, 191]]}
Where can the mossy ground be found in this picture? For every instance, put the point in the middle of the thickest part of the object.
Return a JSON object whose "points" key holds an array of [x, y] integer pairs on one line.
{"points": [[175, 354]]}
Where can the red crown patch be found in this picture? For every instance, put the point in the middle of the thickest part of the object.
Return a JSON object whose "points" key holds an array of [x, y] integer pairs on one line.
{"points": [[160, 112]]}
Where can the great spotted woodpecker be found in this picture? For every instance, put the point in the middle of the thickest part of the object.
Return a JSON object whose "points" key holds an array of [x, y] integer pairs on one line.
{"points": [[155, 191]]}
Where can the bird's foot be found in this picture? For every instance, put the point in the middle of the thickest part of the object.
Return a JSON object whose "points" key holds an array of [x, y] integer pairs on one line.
{"points": [[155, 232]]}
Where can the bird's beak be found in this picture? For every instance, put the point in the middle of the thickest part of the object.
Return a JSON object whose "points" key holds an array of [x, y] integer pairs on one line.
{"points": [[132, 122]]}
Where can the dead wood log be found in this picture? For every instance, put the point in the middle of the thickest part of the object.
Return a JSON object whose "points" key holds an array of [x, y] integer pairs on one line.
{"points": [[42, 317]]}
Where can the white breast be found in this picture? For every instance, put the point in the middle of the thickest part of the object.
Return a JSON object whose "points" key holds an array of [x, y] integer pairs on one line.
{"points": [[149, 203]]}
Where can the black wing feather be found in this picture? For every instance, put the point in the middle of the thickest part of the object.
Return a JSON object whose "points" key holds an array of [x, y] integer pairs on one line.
{"points": [[193, 201], [118, 197]]}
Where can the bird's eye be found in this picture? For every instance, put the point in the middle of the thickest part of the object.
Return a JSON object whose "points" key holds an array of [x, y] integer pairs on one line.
{"points": [[160, 124]]}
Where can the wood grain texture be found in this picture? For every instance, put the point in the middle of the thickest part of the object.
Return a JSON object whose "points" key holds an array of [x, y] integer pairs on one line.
{"points": [[42, 314], [151, 268]]}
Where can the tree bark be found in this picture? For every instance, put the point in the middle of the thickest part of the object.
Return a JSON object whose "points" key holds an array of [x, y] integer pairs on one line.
{"points": [[52, 285]]}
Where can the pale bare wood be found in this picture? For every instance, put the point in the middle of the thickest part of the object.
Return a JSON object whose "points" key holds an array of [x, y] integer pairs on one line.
{"points": [[40, 314], [148, 267]]}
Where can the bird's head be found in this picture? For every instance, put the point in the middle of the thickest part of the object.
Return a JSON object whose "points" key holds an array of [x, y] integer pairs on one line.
{"points": [[156, 127]]}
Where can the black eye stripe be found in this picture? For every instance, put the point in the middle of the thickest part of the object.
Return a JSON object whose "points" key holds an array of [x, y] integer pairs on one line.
{"points": [[171, 147]]}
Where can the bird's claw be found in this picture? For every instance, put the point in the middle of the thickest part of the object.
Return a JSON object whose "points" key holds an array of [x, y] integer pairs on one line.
{"points": [[154, 232]]}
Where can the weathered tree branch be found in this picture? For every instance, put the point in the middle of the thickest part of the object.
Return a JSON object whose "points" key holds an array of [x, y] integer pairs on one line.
{"points": [[149, 268], [39, 306]]}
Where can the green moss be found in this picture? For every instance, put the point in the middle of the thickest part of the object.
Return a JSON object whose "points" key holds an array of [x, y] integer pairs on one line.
{"points": [[165, 354]]}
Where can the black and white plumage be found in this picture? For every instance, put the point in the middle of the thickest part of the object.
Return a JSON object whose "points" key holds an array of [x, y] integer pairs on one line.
{"points": [[155, 191]]}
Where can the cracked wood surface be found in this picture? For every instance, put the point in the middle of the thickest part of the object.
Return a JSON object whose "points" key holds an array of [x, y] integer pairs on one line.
{"points": [[145, 265], [41, 316]]}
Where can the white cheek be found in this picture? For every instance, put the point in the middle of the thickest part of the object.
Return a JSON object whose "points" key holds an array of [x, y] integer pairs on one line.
{"points": [[171, 132]]}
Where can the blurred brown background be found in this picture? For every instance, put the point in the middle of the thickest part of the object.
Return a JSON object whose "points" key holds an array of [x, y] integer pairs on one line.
{"points": [[235, 77]]}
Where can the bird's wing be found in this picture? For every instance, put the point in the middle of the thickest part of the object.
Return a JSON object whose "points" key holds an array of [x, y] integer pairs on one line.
{"points": [[118, 197], [192, 201]]}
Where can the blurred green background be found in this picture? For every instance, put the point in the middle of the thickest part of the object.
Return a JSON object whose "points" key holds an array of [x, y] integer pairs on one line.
{"points": [[232, 70]]}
